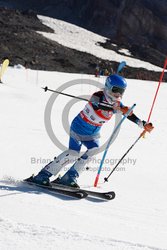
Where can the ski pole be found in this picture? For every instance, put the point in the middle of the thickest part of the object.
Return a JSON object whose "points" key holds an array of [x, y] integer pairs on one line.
{"points": [[109, 142], [101, 104], [144, 131], [55, 91], [106, 178]]}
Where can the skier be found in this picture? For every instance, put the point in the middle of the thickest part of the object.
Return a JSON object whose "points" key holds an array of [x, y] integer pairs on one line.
{"points": [[85, 129]]}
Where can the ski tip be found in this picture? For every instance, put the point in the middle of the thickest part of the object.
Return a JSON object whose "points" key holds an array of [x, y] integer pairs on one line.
{"points": [[110, 195], [29, 179]]}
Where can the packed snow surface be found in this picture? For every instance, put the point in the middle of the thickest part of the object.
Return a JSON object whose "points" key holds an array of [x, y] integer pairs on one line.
{"points": [[33, 219]]}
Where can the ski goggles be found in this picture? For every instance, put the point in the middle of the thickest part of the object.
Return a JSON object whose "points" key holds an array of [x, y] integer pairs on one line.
{"points": [[115, 90]]}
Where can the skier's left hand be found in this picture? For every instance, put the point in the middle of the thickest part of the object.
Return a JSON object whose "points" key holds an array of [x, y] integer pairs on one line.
{"points": [[148, 127]]}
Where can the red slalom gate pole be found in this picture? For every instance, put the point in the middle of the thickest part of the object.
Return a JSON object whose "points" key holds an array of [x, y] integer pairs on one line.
{"points": [[160, 80]]}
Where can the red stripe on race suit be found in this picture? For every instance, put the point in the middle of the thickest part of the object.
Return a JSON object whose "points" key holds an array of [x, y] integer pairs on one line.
{"points": [[106, 115]]}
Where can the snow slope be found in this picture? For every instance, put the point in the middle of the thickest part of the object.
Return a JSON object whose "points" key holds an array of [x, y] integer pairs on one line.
{"points": [[78, 38], [31, 219]]}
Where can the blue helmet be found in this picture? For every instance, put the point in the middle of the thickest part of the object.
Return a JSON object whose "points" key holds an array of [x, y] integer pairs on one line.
{"points": [[115, 86]]}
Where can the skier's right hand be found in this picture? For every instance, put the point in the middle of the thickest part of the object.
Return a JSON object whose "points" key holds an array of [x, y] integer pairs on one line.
{"points": [[125, 109]]}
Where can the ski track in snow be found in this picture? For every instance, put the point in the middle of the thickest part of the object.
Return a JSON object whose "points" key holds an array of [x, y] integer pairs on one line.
{"points": [[56, 239], [51, 237]]}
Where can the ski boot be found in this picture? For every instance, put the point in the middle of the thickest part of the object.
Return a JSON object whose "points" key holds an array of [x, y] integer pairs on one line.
{"points": [[42, 178], [69, 179]]}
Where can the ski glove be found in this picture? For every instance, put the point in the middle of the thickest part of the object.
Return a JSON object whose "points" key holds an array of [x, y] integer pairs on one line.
{"points": [[145, 125], [148, 127], [125, 109]]}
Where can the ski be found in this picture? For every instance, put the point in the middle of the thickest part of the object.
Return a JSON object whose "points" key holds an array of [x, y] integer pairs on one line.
{"points": [[104, 195], [76, 193]]}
